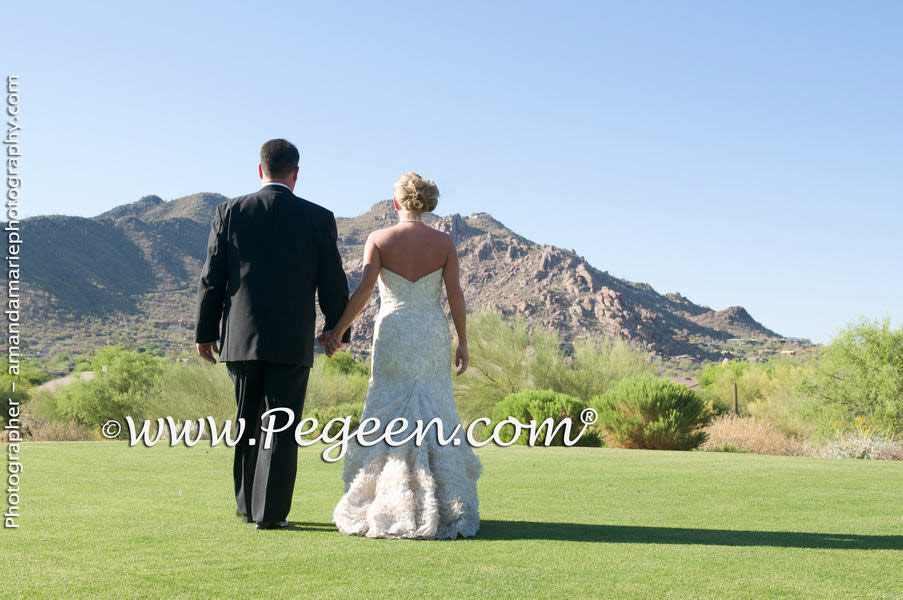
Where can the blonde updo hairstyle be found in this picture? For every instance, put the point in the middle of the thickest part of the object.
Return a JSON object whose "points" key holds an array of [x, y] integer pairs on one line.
{"points": [[414, 193]]}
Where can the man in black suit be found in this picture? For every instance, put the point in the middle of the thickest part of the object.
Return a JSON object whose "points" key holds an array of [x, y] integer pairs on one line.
{"points": [[268, 254]]}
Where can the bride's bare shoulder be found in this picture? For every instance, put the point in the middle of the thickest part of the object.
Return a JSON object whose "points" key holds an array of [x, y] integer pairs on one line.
{"points": [[444, 238], [378, 235]]}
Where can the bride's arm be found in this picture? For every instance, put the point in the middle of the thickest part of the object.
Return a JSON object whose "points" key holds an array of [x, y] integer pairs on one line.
{"points": [[364, 290], [456, 306]]}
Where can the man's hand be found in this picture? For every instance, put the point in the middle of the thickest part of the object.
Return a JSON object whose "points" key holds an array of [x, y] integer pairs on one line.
{"points": [[206, 351], [462, 358], [331, 342]]}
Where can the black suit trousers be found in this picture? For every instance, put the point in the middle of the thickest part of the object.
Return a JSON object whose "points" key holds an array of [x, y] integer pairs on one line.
{"points": [[265, 477]]}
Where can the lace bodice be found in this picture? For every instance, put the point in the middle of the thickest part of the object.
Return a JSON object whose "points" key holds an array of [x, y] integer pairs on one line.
{"points": [[396, 291], [411, 336]]}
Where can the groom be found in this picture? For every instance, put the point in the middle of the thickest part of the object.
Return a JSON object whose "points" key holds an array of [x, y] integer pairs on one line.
{"points": [[267, 254]]}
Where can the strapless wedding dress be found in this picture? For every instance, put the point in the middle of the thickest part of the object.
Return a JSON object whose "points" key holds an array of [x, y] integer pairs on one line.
{"points": [[409, 491]]}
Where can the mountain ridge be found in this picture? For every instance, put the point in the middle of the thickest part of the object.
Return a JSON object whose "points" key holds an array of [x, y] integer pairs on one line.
{"points": [[128, 275]]}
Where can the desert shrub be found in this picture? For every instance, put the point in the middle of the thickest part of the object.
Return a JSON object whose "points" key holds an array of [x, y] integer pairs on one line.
{"points": [[772, 391], [343, 363], [30, 376], [726, 448], [864, 441], [196, 389], [869, 448], [499, 363], [757, 383], [652, 413], [890, 451], [717, 382], [595, 366], [193, 389], [539, 405], [30, 372], [125, 370], [791, 411], [140, 385], [42, 406], [860, 374], [332, 386], [325, 414], [49, 430], [124, 382], [506, 357], [732, 433]]}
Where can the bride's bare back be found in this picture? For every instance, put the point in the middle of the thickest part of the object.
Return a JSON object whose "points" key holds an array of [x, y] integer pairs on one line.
{"points": [[412, 249]]}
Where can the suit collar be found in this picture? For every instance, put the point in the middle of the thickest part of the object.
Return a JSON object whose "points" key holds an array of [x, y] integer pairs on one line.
{"points": [[276, 187]]}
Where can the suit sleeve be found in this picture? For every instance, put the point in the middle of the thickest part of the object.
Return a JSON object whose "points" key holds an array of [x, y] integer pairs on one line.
{"points": [[332, 285], [212, 283]]}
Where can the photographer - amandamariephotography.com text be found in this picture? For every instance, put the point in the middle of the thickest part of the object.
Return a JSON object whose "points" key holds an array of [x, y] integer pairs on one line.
{"points": [[13, 307]]}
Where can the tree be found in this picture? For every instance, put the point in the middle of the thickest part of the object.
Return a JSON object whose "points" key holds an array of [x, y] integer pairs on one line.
{"points": [[860, 374], [122, 386]]}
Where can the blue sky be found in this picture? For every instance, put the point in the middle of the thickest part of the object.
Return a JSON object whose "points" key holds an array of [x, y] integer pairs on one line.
{"points": [[740, 153]]}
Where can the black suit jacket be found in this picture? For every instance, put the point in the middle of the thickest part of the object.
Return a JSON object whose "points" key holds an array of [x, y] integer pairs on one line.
{"points": [[268, 254]]}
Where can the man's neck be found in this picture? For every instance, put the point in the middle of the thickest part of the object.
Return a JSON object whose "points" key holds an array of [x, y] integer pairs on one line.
{"points": [[277, 182]]}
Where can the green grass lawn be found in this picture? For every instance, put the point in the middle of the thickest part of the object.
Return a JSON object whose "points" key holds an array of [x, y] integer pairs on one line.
{"points": [[102, 520]]}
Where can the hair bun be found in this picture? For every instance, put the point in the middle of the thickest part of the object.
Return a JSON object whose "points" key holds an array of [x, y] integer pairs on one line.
{"points": [[415, 193]]}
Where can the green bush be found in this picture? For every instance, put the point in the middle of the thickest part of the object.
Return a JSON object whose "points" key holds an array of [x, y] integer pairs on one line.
{"points": [[331, 386], [30, 376], [140, 385], [860, 374], [771, 390], [506, 357], [193, 389], [539, 405], [791, 411], [343, 363], [652, 413], [124, 381], [596, 365], [325, 414], [756, 382], [728, 448]]}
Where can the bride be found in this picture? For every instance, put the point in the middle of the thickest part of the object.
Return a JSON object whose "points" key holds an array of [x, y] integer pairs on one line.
{"points": [[425, 491]]}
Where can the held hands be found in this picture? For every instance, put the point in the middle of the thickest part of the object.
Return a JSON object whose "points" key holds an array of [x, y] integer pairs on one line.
{"points": [[462, 358], [206, 351], [331, 342]]}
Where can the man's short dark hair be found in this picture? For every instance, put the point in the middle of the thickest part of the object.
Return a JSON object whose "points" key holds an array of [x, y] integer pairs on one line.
{"points": [[279, 158]]}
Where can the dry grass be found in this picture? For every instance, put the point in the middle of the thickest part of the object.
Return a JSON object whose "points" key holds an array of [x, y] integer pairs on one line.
{"points": [[890, 452], [749, 434], [37, 429]]}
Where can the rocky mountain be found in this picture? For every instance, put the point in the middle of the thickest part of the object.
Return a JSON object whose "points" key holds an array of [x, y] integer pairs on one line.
{"points": [[129, 276]]}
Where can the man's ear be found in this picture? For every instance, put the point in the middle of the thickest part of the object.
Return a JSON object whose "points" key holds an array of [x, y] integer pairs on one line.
{"points": [[297, 174], [260, 171]]}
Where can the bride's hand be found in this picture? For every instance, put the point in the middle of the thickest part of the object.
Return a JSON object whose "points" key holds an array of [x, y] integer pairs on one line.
{"points": [[331, 342], [462, 358]]}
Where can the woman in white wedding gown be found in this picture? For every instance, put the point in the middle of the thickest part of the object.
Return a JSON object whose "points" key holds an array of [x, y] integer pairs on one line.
{"points": [[425, 491]]}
